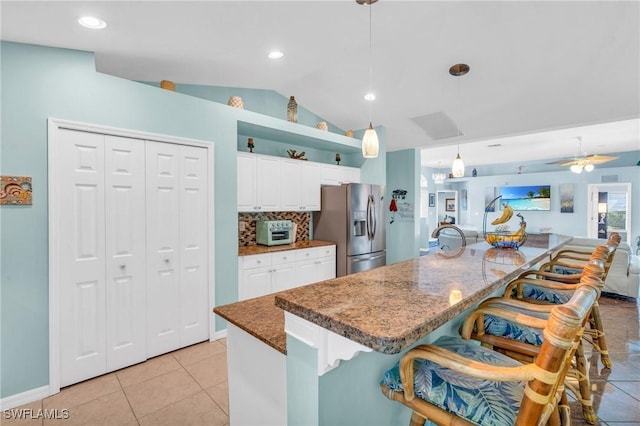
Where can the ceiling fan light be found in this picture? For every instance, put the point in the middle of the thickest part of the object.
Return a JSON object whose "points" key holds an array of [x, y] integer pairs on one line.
{"points": [[588, 167], [457, 168], [575, 168], [370, 144]]}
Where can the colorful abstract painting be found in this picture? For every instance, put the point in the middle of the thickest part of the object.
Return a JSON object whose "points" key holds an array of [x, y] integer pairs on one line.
{"points": [[15, 190]]}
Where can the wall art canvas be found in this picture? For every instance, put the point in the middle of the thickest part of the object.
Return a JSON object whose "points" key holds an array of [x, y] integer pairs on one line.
{"points": [[15, 190], [532, 197], [566, 198], [432, 199]]}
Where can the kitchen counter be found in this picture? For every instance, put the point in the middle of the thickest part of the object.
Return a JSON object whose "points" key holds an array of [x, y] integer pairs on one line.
{"points": [[260, 249], [390, 308], [259, 317]]}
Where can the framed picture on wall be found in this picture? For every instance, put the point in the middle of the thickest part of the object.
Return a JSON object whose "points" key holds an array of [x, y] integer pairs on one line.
{"points": [[432, 199], [450, 204]]}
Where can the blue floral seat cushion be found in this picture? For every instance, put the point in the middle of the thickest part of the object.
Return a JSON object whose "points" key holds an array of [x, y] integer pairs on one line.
{"points": [[554, 296], [565, 270], [482, 402], [496, 326]]}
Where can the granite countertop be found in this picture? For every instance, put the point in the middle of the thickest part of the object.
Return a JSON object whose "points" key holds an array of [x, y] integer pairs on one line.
{"points": [[259, 317], [391, 307], [259, 249]]}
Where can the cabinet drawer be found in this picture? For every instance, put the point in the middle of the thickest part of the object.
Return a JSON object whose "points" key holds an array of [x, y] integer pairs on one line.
{"points": [[326, 251], [305, 254], [280, 258], [256, 261]]}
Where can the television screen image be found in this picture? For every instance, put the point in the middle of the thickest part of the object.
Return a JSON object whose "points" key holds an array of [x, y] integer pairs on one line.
{"points": [[534, 197]]}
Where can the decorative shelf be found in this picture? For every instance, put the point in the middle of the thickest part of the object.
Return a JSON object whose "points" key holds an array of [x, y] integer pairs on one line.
{"points": [[265, 127]]}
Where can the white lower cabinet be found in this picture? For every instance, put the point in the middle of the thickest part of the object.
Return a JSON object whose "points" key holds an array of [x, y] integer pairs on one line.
{"points": [[262, 274]]}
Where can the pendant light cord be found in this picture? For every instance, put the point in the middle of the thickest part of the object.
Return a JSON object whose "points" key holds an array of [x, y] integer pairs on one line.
{"points": [[370, 58]]}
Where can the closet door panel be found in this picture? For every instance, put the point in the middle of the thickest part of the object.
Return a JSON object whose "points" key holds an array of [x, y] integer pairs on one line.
{"points": [[163, 253], [125, 251], [79, 178], [194, 231]]}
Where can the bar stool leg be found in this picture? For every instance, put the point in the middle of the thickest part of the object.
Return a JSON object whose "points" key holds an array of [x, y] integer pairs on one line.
{"points": [[417, 420], [597, 335]]}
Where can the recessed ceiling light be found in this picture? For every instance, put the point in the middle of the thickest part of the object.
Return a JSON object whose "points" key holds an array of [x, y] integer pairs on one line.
{"points": [[276, 54], [370, 97], [92, 22]]}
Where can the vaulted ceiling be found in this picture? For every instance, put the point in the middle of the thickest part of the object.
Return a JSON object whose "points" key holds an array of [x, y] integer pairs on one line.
{"points": [[542, 72]]}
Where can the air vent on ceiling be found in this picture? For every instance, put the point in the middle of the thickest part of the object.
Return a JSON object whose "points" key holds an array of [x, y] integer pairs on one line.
{"points": [[438, 125], [494, 145], [609, 178]]}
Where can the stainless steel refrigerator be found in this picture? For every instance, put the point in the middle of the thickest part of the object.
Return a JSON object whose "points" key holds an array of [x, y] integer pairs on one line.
{"points": [[352, 216]]}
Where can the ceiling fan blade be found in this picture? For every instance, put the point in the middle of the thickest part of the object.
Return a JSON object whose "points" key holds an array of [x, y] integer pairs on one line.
{"points": [[599, 159], [563, 163]]}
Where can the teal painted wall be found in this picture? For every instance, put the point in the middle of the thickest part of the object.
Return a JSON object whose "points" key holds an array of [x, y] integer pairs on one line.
{"points": [[302, 378], [403, 235], [41, 82]]}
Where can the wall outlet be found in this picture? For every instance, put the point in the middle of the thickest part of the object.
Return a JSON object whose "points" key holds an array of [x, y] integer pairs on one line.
{"points": [[242, 225]]}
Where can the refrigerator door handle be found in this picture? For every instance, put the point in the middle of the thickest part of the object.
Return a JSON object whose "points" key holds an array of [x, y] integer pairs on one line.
{"points": [[369, 258], [373, 217], [369, 234]]}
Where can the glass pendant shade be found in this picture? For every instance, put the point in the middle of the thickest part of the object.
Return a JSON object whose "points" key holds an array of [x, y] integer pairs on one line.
{"points": [[370, 144], [588, 167], [457, 168]]}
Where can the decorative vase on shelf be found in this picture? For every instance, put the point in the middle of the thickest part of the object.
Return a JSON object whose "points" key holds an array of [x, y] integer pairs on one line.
{"points": [[292, 110], [236, 102], [349, 133], [322, 125]]}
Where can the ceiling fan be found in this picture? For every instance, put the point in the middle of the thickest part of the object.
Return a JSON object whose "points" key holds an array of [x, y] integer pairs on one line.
{"points": [[585, 162]]}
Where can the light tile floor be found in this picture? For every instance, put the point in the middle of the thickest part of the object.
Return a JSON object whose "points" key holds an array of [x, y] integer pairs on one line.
{"points": [[189, 386]]}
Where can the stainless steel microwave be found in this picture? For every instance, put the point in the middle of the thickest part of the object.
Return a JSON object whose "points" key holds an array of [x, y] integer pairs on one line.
{"points": [[274, 232]]}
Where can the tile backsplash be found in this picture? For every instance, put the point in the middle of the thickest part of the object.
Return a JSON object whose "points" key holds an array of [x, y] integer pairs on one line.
{"points": [[248, 236]]}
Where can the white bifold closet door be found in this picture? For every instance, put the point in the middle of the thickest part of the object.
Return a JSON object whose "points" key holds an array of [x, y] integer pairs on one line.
{"points": [[133, 250], [177, 312], [102, 254]]}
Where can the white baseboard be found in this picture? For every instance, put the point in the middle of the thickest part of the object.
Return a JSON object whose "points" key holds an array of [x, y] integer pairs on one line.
{"points": [[24, 397], [222, 334]]}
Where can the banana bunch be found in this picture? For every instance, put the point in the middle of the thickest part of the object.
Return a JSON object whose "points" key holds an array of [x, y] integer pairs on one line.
{"points": [[507, 212]]}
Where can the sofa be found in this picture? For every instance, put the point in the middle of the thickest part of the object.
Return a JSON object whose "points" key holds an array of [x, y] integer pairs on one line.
{"points": [[450, 239], [623, 278]]}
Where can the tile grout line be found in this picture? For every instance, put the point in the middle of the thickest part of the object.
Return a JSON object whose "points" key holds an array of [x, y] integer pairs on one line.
{"points": [[201, 387], [127, 398]]}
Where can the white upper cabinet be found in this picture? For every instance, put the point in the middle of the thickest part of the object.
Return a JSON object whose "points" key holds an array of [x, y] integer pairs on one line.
{"points": [[310, 186], [337, 175], [267, 183], [247, 184]]}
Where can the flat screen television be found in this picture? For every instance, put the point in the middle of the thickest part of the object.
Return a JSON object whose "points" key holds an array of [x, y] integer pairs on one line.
{"points": [[533, 197]]}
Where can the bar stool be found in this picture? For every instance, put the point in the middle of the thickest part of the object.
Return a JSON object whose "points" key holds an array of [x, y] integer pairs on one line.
{"points": [[456, 382], [514, 327]]}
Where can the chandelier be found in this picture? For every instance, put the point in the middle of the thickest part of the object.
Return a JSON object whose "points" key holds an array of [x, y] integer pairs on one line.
{"points": [[438, 178]]}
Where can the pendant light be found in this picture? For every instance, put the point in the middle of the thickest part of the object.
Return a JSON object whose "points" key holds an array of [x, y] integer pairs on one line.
{"points": [[370, 143], [457, 168]]}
